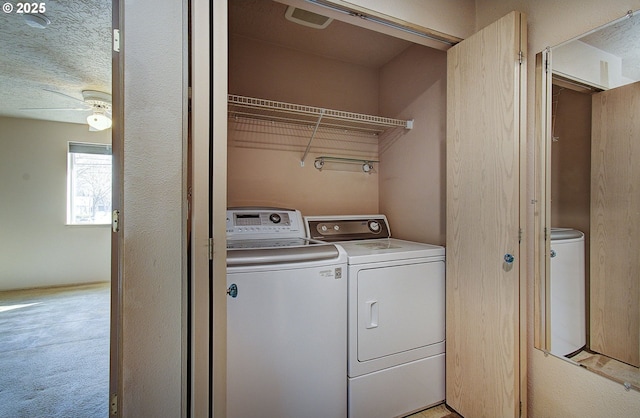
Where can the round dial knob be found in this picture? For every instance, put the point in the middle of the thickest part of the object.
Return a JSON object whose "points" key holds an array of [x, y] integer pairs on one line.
{"points": [[336, 228], [323, 228], [374, 226], [275, 218]]}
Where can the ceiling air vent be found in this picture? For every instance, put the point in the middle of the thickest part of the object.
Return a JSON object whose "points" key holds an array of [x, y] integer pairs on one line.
{"points": [[306, 18]]}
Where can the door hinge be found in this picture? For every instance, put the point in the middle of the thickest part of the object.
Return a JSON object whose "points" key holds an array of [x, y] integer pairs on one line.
{"points": [[547, 61], [210, 248], [116, 40], [520, 414], [113, 404], [546, 234], [115, 220], [520, 57], [519, 235]]}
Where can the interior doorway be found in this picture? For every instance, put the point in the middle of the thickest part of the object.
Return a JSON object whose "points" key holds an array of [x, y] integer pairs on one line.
{"points": [[55, 274]]}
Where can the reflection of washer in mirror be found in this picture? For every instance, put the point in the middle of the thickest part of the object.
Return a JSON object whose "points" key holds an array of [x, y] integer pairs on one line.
{"points": [[568, 312], [586, 99]]}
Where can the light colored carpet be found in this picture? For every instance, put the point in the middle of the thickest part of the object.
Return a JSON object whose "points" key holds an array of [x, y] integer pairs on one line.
{"points": [[54, 352]]}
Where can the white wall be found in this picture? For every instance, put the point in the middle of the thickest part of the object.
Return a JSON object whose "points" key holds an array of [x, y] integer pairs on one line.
{"points": [[37, 247], [153, 218], [558, 388]]}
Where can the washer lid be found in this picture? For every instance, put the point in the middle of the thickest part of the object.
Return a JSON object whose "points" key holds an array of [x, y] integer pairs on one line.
{"points": [[388, 249], [561, 234]]}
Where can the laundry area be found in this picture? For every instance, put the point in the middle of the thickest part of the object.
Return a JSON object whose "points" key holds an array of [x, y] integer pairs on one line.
{"points": [[336, 171], [339, 68]]}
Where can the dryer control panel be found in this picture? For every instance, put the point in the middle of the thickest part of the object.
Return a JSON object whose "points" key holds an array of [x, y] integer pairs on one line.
{"points": [[347, 228]]}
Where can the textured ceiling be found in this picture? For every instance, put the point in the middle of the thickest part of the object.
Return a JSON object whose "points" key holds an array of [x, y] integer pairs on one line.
{"points": [[620, 39], [70, 55], [265, 21], [73, 53]]}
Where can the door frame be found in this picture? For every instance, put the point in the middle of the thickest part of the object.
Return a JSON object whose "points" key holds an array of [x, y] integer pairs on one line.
{"points": [[206, 360], [117, 144]]}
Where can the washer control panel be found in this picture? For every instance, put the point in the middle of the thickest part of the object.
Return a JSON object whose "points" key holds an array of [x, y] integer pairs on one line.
{"points": [[347, 228], [258, 222]]}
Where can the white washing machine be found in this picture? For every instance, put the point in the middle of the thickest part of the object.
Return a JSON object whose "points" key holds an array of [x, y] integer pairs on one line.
{"points": [[396, 316], [286, 318]]}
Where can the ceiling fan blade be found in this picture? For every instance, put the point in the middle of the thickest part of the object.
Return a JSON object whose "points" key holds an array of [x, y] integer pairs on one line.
{"points": [[60, 108], [64, 95]]}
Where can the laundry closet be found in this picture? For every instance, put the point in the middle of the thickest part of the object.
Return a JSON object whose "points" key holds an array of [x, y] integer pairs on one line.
{"points": [[467, 196], [344, 68]]}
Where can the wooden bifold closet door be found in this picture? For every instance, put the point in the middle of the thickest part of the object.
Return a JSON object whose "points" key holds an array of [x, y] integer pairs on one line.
{"points": [[615, 224], [485, 130]]}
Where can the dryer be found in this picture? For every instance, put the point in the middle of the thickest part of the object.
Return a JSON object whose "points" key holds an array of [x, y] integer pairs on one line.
{"points": [[396, 316]]}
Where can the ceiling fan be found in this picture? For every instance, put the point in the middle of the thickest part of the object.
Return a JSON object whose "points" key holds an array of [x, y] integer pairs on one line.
{"points": [[99, 103]]}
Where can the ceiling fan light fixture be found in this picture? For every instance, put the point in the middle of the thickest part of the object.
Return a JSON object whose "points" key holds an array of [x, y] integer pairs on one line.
{"points": [[99, 121], [36, 20], [101, 103]]}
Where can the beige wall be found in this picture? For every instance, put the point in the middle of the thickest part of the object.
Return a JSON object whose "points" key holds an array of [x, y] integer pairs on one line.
{"points": [[268, 71], [412, 165], [571, 167], [571, 160], [274, 178], [558, 388], [37, 247], [264, 158]]}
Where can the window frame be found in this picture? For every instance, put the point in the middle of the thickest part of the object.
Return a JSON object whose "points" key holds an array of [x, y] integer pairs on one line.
{"points": [[87, 149]]}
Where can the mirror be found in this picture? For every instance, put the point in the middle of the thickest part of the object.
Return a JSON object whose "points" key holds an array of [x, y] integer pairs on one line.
{"points": [[587, 286]]}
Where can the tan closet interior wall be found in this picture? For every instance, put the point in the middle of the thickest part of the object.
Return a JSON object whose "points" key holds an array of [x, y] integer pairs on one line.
{"points": [[264, 158]]}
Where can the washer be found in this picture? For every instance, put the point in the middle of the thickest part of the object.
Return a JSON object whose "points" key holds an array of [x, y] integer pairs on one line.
{"points": [[396, 316], [286, 318]]}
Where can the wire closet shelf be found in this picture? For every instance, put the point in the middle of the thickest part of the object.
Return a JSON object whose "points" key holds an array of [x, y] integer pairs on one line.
{"points": [[271, 110]]}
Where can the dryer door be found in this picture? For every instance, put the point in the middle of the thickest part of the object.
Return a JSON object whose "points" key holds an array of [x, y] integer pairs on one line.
{"points": [[400, 308]]}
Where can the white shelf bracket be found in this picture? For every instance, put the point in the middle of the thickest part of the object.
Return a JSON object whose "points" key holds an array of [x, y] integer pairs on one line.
{"points": [[315, 129]]}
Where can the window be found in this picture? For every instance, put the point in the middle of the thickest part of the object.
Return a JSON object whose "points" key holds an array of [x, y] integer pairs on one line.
{"points": [[89, 184]]}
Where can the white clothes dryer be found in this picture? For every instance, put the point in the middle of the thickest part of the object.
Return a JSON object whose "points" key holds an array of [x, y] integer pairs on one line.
{"points": [[396, 316]]}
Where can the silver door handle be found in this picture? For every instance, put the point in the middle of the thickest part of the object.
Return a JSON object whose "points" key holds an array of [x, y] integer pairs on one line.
{"points": [[508, 258]]}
